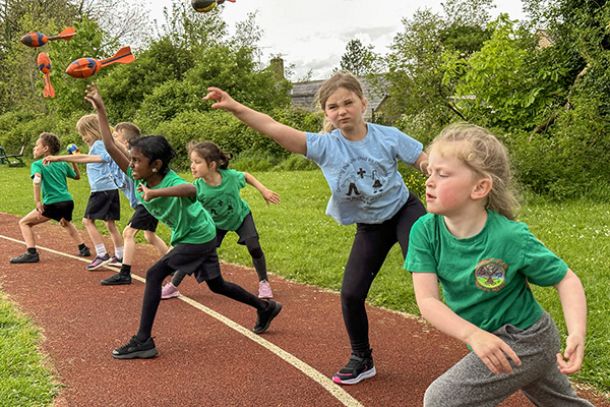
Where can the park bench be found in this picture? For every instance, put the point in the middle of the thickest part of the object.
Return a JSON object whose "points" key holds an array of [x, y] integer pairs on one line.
{"points": [[12, 160]]}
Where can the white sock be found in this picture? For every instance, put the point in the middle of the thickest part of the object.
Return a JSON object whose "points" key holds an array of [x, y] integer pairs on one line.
{"points": [[118, 252], [100, 249]]}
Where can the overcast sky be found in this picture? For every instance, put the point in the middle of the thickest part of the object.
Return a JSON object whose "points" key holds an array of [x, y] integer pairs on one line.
{"points": [[313, 34]]}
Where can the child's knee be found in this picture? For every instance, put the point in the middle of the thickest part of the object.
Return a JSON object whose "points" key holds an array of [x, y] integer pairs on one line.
{"points": [[435, 396], [88, 222], [129, 233]]}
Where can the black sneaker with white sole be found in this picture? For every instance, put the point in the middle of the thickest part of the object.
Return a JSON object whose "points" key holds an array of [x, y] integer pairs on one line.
{"points": [[357, 369], [136, 349], [266, 316]]}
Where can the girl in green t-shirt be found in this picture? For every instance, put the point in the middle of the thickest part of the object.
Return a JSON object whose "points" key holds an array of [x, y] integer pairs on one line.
{"points": [[172, 200], [484, 261], [53, 201], [218, 190]]}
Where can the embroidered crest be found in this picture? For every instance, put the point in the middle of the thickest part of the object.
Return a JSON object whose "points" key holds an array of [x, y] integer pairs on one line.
{"points": [[490, 274]]}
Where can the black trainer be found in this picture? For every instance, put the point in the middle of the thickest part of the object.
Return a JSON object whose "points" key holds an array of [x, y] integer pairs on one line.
{"points": [[136, 349], [357, 369], [84, 252], [26, 257], [117, 279], [265, 317]]}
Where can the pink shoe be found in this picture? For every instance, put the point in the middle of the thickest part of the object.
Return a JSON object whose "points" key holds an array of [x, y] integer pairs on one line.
{"points": [[264, 290], [169, 291]]}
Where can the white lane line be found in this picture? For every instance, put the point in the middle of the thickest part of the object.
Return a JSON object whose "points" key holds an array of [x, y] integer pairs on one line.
{"points": [[344, 397]]}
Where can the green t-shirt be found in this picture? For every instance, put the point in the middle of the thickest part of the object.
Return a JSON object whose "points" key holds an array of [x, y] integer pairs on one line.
{"points": [[54, 185], [485, 278], [223, 202], [187, 219]]}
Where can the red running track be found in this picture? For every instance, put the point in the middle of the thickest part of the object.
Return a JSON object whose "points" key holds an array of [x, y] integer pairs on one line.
{"points": [[203, 361]]}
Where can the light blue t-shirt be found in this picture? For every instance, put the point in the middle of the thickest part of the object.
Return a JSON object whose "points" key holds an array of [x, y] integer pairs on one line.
{"points": [[129, 190], [362, 175], [99, 174]]}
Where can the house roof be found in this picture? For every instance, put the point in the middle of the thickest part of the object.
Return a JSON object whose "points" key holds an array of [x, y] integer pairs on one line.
{"points": [[303, 94]]}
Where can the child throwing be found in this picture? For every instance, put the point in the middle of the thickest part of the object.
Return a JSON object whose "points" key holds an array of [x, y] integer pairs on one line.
{"points": [[218, 190], [173, 201], [104, 201], [484, 261], [124, 133], [360, 163], [53, 201]]}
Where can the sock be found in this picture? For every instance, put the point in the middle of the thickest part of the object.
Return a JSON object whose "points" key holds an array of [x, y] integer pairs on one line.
{"points": [[31, 250], [100, 249], [125, 269], [81, 246], [118, 252]]}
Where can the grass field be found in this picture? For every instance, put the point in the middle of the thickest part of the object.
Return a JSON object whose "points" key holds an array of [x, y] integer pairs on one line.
{"points": [[302, 244]]}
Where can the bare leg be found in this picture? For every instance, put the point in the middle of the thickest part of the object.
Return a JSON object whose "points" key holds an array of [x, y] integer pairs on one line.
{"points": [[94, 234], [129, 239], [156, 241], [27, 222], [69, 226], [117, 240]]}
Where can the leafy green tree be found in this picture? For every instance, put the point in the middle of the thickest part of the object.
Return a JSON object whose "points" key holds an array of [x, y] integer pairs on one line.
{"points": [[359, 59]]}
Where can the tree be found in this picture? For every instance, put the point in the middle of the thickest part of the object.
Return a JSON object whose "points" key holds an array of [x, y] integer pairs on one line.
{"points": [[359, 59]]}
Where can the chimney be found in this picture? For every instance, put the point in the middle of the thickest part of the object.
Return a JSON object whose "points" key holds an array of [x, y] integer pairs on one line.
{"points": [[276, 65]]}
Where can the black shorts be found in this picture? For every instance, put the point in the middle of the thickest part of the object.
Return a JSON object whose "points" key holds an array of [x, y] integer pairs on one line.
{"points": [[198, 259], [246, 230], [143, 220], [59, 210], [104, 205]]}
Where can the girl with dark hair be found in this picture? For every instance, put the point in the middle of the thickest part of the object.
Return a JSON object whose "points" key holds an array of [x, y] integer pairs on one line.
{"points": [[218, 190], [193, 232]]}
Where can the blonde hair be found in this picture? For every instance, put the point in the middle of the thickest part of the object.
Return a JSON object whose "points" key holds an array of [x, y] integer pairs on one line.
{"points": [[483, 153], [341, 79], [89, 125]]}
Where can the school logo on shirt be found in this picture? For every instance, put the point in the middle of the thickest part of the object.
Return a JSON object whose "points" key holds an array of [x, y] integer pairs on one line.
{"points": [[490, 274], [361, 173]]}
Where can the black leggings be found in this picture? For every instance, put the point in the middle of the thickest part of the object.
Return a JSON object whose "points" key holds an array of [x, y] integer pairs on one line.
{"points": [[152, 296], [369, 250]]}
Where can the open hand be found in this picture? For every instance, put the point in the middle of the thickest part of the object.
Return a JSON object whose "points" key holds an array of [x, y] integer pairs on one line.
{"points": [[49, 159], [270, 197]]}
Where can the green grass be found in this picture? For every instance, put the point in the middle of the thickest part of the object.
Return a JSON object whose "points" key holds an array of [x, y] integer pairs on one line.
{"points": [[25, 379], [301, 243]]}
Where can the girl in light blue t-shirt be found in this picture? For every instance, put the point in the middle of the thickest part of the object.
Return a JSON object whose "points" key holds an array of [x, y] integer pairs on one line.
{"points": [[359, 161]]}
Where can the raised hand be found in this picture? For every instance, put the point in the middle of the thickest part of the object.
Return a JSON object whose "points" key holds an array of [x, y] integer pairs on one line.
{"points": [[92, 95], [222, 98]]}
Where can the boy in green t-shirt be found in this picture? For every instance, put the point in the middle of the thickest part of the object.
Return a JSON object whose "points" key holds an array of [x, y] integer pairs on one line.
{"points": [[53, 201]]}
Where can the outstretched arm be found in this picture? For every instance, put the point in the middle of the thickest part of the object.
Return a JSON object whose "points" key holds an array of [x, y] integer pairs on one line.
{"points": [[291, 139], [574, 305], [182, 190], [268, 195], [492, 350], [78, 158], [93, 96]]}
